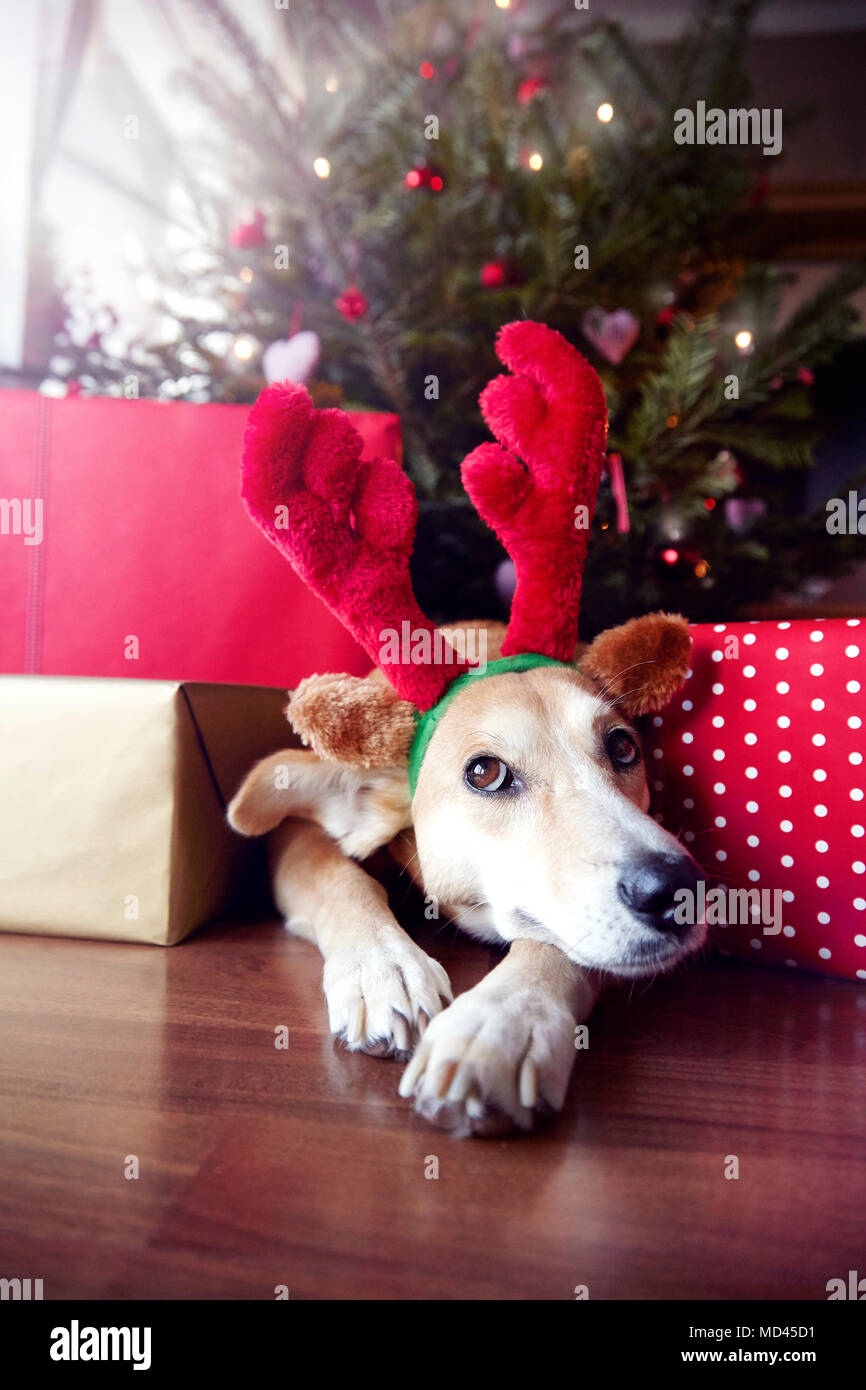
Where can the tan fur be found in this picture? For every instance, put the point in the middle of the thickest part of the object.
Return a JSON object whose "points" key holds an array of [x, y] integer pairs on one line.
{"points": [[539, 870]]}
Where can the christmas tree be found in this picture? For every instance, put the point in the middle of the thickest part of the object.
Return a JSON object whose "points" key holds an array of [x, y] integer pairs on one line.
{"points": [[416, 175]]}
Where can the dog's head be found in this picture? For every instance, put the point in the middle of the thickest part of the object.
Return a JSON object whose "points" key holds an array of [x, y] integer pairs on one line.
{"points": [[531, 806]]}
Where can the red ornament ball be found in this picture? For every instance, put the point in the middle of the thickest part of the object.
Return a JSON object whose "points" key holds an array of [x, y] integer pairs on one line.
{"points": [[529, 88], [352, 304], [427, 70], [247, 235]]}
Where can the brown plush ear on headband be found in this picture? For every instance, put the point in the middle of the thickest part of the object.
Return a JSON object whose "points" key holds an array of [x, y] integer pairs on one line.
{"points": [[642, 664], [352, 720]]}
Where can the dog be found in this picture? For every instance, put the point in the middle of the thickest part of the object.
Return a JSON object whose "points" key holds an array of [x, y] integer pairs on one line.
{"points": [[529, 827], [513, 792]]}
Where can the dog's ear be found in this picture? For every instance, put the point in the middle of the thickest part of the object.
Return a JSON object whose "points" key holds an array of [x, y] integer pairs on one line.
{"points": [[346, 719], [360, 810], [641, 664]]}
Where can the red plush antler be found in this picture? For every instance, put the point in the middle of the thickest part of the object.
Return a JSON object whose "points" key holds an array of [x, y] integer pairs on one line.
{"points": [[347, 528], [552, 414]]}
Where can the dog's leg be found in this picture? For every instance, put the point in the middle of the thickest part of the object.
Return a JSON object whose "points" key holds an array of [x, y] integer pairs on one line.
{"points": [[380, 987], [502, 1054]]}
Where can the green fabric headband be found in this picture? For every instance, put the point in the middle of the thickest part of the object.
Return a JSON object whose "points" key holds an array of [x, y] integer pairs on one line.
{"points": [[426, 723]]}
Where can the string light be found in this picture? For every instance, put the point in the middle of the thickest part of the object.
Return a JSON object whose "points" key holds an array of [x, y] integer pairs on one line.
{"points": [[702, 569], [535, 160], [244, 348], [672, 421], [427, 70], [605, 112], [321, 167], [503, 4], [245, 274], [710, 503], [743, 340], [670, 556], [332, 82]]}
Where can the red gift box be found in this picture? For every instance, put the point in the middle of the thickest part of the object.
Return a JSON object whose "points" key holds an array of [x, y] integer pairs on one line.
{"points": [[759, 764], [144, 537]]}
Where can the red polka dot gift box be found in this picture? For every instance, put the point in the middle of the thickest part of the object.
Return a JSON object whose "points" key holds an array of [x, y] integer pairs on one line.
{"points": [[758, 765]]}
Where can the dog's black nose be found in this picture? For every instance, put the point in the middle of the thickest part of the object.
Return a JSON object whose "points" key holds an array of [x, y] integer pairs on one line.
{"points": [[652, 890]]}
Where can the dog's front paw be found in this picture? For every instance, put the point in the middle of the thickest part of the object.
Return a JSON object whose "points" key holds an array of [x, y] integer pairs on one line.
{"points": [[380, 997], [493, 1061]]}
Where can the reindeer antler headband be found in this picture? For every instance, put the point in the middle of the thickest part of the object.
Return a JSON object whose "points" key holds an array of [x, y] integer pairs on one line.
{"points": [[347, 526]]}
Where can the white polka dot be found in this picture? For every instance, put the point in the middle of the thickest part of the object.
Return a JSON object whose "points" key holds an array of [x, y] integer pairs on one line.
{"points": [[719, 627], [783, 626], [853, 687], [816, 636], [688, 704], [824, 953], [721, 822], [852, 622], [753, 841], [792, 963], [786, 825], [718, 688], [823, 918], [782, 653], [721, 855], [820, 810], [689, 675], [787, 861], [821, 846], [787, 896], [854, 722], [783, 721], [750, 704], [783, 687], [751, 807], [783, 791], [688, 803], [822, 881], [750, 738], [861, 974], [860, 904], [859, 867], [754, 875], [819, 774], [717, 655], [719, 754], [784, 755], [855, 758], [719, 723], [658, 753], [658, 721], [751, 773], [749, 638], [818, 704], [816, 670], [688, 770], [860, 939], [719, 788], [658, 786], [852, 651], [819, 740], [858, 831], [856, 794], [788, 931], [688, 738], [689, 835], [748, 672], [755, 944]]}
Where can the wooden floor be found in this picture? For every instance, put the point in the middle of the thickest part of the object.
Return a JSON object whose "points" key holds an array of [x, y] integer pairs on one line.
{"points": [[303, 1168]]}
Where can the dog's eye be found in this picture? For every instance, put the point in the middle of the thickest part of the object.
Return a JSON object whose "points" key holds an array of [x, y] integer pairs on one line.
{"points": [[622, 749], [489, 775]]}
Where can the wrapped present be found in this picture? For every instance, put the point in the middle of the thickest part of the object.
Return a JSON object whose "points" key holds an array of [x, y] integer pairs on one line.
{"points": [[125, 549], [759, 763], [112, 802]]}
